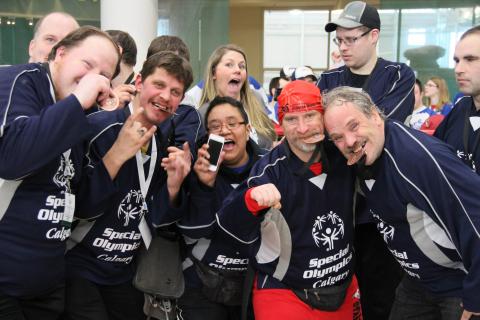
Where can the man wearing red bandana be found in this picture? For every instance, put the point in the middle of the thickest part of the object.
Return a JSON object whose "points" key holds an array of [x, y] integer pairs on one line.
{"points": [[295, 211]]}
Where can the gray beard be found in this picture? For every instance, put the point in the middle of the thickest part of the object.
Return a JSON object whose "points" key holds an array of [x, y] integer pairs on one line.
{"points": [[306, 147]]}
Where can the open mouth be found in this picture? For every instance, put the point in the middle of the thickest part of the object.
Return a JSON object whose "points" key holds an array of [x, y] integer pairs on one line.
{"points": [[162, 108], [234, 83], [356, 155], [228, 145]]}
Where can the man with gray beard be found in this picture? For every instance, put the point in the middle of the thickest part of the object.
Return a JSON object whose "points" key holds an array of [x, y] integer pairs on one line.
{"points": [[302, 254]]}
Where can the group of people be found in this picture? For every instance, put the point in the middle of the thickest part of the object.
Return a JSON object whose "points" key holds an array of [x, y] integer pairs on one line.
{"points": [[351, 215]]}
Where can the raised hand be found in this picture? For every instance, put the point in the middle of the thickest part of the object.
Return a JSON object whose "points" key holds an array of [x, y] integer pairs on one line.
{"points": [[177, 165], [267, 195], [125, 93], [131, 138], [92, 88], [200, 167]]}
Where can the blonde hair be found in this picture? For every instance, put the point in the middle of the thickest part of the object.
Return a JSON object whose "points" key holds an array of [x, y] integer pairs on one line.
{"points": [[257, 116], [443, 94]]}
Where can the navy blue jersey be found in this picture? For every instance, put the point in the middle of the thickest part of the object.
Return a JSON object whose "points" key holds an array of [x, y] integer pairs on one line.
{"points": [[309, 244], [204, 240], [102, 250], [37, 168], [426, 204], [459, 129], [390, 86], [185, 125]]}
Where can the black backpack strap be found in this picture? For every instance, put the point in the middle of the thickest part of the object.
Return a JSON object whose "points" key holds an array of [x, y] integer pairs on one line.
{"points": [[247, 290]]}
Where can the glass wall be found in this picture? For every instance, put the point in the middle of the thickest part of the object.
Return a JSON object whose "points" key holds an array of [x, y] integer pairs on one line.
{"points": [[422, 38], [17, 18], [203, 25], [295, 38]]}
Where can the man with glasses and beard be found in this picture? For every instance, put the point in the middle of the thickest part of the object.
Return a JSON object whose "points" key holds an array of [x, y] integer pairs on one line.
{"points": [[390, 85]]}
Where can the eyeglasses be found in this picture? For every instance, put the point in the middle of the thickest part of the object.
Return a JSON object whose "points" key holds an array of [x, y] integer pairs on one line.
{"points": [[349, 41], [216, 127]]}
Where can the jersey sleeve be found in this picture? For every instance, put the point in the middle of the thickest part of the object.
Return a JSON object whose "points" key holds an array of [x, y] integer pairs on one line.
{"points": [[96, 188], [199, 220], [452, 191], [234, 218], [35, 131], [397, 103]]}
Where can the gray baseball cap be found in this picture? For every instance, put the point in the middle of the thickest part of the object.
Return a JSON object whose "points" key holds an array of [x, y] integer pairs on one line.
{"points": [[354, 15]]}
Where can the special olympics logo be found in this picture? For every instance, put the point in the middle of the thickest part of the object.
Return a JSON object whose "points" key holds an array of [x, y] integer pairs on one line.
{"points": [[386, 230], [327, 229], [131, 207], [65, 173]]}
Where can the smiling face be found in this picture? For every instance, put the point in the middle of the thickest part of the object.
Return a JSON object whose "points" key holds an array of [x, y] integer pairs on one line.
{"points": [[159, 94], [235, 147], [357, 136], [52, 29], [303, 130], [95, 54], [467, 66], [230, 74]]}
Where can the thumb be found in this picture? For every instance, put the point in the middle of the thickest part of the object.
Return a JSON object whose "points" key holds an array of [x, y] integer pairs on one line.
{"points": [[186, 147]]}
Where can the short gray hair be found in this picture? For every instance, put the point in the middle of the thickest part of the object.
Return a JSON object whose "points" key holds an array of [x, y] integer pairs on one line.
{"points": [[359, 98]]}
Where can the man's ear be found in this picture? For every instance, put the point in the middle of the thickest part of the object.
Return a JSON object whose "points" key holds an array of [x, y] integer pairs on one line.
{"points": [[249, 130], [375, 35], [377, 118], [60, 52], [31, 46], [138, 82]]}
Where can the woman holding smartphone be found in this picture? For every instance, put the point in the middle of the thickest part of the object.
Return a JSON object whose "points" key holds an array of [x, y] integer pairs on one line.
{"points": [[226, 76], [211, 254]]}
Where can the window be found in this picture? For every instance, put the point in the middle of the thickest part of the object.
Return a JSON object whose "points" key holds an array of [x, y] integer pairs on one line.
{"points": [[296, 38], [424, 39]]}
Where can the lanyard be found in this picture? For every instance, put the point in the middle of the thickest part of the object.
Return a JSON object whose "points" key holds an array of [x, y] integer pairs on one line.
{"points": [[466, 130], [145, 184]]}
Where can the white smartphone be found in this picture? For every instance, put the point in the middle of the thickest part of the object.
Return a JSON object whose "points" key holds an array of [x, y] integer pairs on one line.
{"points": [[215, 146]]}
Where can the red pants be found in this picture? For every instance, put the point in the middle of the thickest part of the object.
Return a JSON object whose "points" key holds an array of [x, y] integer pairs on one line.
{"points": [[274, 304]]}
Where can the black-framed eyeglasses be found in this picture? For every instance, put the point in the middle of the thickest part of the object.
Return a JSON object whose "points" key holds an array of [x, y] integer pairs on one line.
{"points": [[216, 127], [349, 41]]}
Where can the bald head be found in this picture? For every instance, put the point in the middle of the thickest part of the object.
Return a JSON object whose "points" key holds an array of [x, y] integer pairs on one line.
{"points": [[48, 31]]}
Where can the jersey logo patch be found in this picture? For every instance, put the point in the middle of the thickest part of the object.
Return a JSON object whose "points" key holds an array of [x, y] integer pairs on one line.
{"points": [[467, 158], [131, 207], [326, 229], [65, 173], [386, 230]]}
